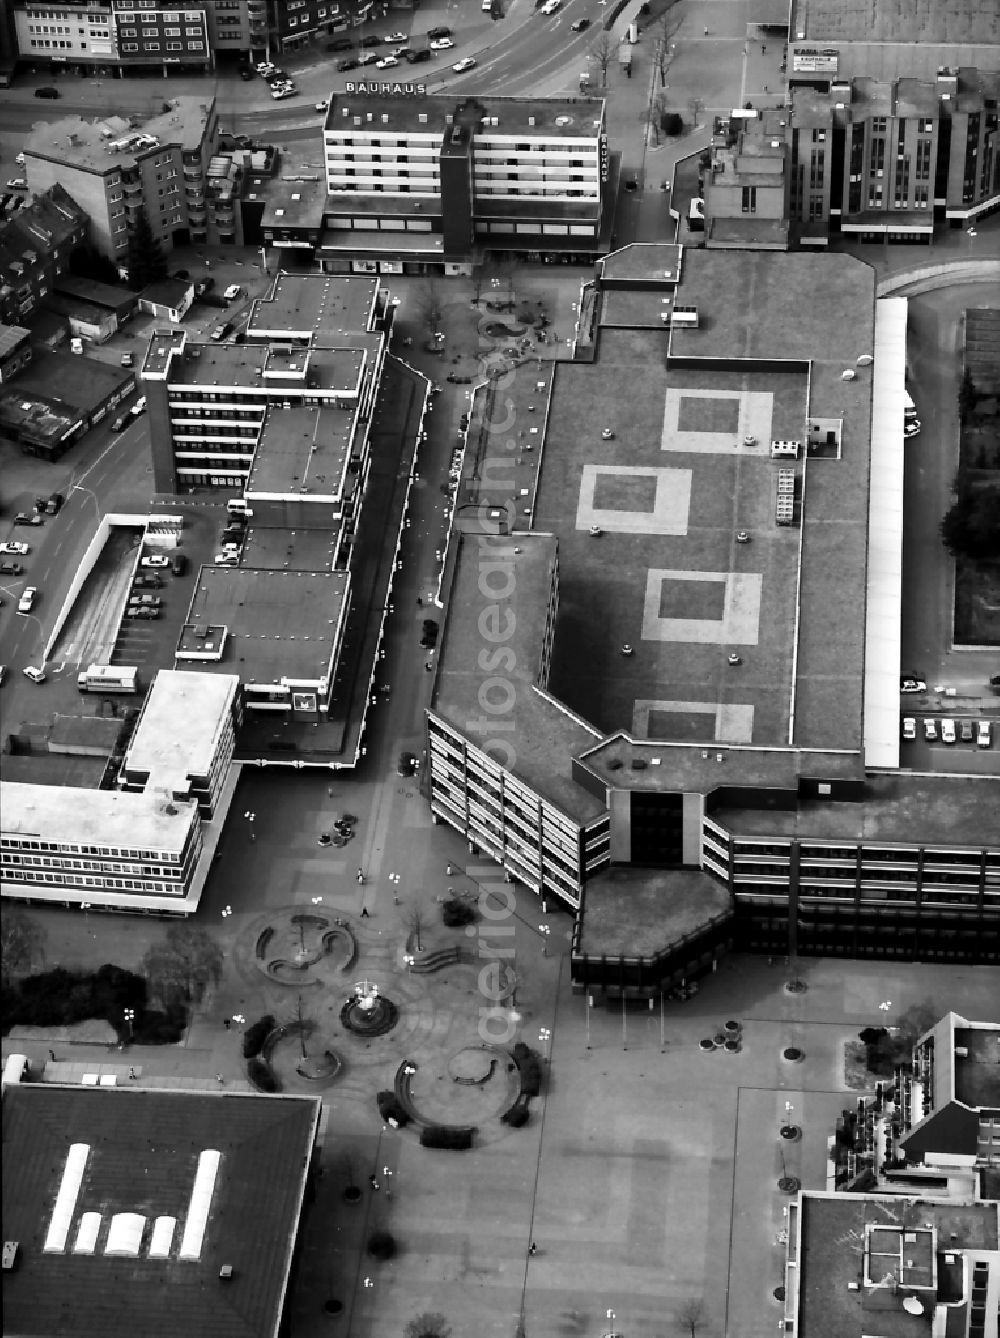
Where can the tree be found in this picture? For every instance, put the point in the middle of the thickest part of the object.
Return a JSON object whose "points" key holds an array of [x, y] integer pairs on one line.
{"points": [[691, 1316], [413, 921], [183, 965], [665, 28], [604, 51], [428, 1325], [430, 304], [21, 942], [695, 106], [146, 261], [971, 526]]}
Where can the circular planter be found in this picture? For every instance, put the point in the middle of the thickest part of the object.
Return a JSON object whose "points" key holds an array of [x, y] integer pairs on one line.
{"points": [[707, 1044], [732, 1046], [793, 1054], [352, 1194], [778, 1293], [790, 1132], [795, 987], [733, 1028], [720, 1038], [789, 1184], [331, 1306]]}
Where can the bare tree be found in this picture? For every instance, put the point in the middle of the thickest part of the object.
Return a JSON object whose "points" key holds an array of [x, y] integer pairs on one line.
{"points": [[691, 1316], [664, 29], [604, 51], [183, 964], [695, 106], [428, 1325], [430, 304], [21, 942], [412, 916]]}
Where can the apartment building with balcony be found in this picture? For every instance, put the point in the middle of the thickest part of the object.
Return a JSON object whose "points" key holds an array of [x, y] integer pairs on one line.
{"points": [[295, 25], [113, 168], [35, 247], [681, 721], [423, 182]]}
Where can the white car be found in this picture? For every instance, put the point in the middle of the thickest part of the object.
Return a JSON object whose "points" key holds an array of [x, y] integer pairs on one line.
{"points": [[19, 160], [323, 106], [551, 6], [13, 547], [467, 63], [367, 58], [947, 731], [394, 38], [909, 728], [226, 559], [139, 407], [386, 63], [930, 728], [984, 734], [278, 93], [232, 292], [17, 183], [442, 44], [154, 560], [27, 600], [36, 675]]}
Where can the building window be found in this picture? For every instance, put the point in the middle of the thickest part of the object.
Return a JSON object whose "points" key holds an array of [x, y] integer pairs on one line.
{"points": [[749, 203]]}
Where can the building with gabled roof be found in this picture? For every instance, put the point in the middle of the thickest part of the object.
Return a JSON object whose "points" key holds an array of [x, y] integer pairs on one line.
{"points": [[35, 247]]}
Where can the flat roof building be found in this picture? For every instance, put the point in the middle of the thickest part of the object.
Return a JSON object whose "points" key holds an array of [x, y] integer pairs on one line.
{"points": [[656, 655], [426, 182], [152, 1211]]}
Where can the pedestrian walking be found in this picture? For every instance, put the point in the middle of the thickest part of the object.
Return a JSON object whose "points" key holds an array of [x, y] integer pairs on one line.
{"points": [[219, 1078], [364, 913], [131, 1074], [227, 1022], [533, 1248], [52, 1056], [420, 602]]}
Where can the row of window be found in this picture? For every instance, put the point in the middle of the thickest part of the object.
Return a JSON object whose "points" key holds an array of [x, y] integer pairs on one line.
{"points": [[171, 46], [155, 32], [121, 884], [60, 848]]}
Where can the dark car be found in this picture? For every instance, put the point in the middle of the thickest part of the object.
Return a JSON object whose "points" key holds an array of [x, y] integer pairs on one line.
{"points": [[425, 53], [406, 765], [147, 582], [349, 64], [181, 274], [370, 40], [22, 518], [580, 26], [120, 423], [47, 92], [429, 636], [404, 53], [435, 34], [179, 564], [340, 44], [11, 568]]}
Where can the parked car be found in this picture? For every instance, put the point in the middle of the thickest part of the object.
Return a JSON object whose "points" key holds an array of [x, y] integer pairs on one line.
{"points": [[386, 63], [279, 93], [394, 38], [23, 518], [442, 44], [367, 58], [11, 569], [139, 407], [36, 675], [984, 734], [233, 292], [227, 558], [148, 582], [323, 106], [467, 63], [154, 560], [128, 359], [47, 92], [406, 765], [909, 728], [27, 600], [350, 64], [141, 611], [435, 33], [17, 183], [966, 731], [580, 26], [947, 730], [425, 53], [370, 40], [12, 546], [120, 423], [178, 564], [429, 634], [340, 44], [19, 160], [909, 684], [930, 728]]}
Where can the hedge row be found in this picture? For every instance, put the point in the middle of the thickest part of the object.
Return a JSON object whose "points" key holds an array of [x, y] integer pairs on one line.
{"points": [[530, 1067], [60, 998], [255, 1036], [444, 1136]]}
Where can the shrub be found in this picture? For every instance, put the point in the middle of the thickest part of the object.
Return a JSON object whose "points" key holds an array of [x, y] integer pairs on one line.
{"points": [[390, 1108], [672, 123], [382, 1245], [517, 1116], [530, 1067], [457, 912], [443, 1136], [256, 1034], [261, 1076], [158, 1028]]}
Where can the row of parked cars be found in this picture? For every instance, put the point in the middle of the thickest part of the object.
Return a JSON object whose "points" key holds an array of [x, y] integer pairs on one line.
{"points": [[951, 730]]}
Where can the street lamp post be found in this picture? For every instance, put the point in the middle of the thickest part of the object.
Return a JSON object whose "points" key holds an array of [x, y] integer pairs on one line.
{"points": [[886, 1008], [545, 931], [78, 487], [545, 1036], [129, 1015]]}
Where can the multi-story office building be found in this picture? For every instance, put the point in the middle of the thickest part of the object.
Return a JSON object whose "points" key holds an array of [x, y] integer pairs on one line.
{"points": [[116, 36], [422, 183], [746, 182], [684, 730], [115, 168], [295, 24], [35, 247], [146, 846]]}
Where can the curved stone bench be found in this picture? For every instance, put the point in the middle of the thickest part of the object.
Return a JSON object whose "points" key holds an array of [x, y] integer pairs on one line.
{"points": [[401, 1087], [309, 920], [263, 942], [436, 961], [329, 939], [284, 972]]}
